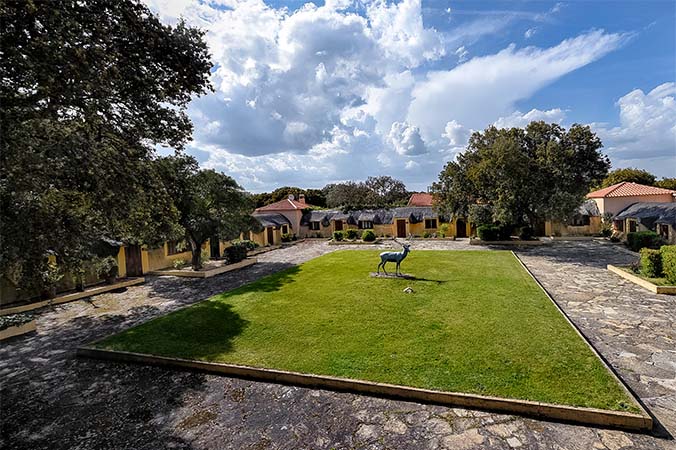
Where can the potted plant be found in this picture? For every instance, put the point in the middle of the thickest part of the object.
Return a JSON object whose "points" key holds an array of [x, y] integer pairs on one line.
{"points": [[107, 269], [51, 275]]}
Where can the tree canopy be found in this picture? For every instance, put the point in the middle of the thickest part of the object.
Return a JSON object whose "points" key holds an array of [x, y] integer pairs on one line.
{"points": [[314, 197], [667, 183], [210, 204], [522, 176], [639, 176], [375, 192], [88, 88]]}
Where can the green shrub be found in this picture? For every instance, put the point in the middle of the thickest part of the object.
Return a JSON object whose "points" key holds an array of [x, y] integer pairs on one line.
{"points": [[250, 245], [426, 234], [286, 237], [368, 236], [651, 263], [107, 268], [443, 230], [505, 232], [351, 234], [179, 263], [644, 239], [338, 235], [526, 233], [205, 255], [487, 232], [668, 254], [235, 253]]}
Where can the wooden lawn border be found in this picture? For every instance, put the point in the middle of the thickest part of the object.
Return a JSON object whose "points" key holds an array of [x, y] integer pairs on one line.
{"points": [[652, 287]]}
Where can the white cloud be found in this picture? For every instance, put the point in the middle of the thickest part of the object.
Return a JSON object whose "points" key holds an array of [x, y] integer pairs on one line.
{"points": [[647, 130], [323, 94], [489, 86], [530, 33], [406, 139], [519, 120]]}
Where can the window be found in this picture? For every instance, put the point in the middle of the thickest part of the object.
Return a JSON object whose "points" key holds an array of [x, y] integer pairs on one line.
{"points": [[314, 226], [619, 225], [579, 220], [430, 223], [632, 226], [365, 224], [285, 229], [175, 247], [664, 231]]}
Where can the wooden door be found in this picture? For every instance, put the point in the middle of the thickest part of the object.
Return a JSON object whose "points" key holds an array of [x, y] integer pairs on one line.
{"points": [[401, 228], [460, 228], [271, 236], [132, 259], [339, 225]]}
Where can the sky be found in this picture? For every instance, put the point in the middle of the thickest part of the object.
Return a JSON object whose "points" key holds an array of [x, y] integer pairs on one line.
{"points": [[308, 94]]}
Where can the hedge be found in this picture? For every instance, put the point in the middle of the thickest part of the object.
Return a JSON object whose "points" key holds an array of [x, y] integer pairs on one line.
{"points": [[668, 254], [651, 263], [487, 232], [643, 239], [338, 235], [235, 253], [368, 236]]}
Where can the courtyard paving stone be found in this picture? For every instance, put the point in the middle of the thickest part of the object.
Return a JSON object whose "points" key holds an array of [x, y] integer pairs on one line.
{"points": [[49, 399]]}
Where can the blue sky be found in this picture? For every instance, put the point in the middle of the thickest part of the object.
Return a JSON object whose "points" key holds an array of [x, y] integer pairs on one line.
{"points": [[313, 93]]}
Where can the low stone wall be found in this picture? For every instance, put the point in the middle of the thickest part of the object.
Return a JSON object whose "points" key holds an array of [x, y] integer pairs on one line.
{"points": [[206, 273]]}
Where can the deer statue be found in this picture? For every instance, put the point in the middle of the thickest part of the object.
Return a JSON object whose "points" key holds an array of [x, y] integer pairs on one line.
{"points": [[396, 257]]}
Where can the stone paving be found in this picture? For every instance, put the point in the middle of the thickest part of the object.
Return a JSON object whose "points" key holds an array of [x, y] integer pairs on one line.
{"points": [[49, 399]]}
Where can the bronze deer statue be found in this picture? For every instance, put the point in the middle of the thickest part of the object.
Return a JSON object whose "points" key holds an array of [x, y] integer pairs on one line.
{"points": [[396, 257]]}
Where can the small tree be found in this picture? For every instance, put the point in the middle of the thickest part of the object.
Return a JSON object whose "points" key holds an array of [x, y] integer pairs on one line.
{"points": [[630, 174], [209, 203]]}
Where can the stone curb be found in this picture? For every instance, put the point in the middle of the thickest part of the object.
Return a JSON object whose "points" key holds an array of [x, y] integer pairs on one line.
{"points": [[645, 415]]}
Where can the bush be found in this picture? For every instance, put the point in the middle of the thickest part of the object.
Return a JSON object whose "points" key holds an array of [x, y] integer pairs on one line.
{"points": [[338, 235], [426, 234], [505, 232], [235, 253], [205, 255], [487, 232], [644, 239], [179, 263], [250, 245], [368, 236], [351, 234], [107, 268], [526, 233], [668, 255], [443, 230], [651, 263], [286, 237]]}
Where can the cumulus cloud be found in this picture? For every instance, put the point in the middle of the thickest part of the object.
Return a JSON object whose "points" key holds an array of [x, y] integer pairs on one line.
{"points": [[335, 92], [406, 139], [530, 33], [520, 120], [647, 130]]}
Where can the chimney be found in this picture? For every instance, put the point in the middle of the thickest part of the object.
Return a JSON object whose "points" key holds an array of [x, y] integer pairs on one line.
{"points": [[301, 198], [291, 197]]}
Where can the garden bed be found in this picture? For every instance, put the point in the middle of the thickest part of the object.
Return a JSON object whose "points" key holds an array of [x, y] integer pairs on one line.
{"points": [[209, 269], [655, 285], [72, 296], [16, 325], [476, 331]]}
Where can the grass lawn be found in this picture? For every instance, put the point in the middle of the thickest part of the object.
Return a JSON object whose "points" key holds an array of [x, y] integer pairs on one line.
{"points": [[660, 281], [476, 323]]}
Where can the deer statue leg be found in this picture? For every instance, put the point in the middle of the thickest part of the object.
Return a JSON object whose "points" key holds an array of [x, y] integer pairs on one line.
{"points": [[398, 272], [384, 270]]}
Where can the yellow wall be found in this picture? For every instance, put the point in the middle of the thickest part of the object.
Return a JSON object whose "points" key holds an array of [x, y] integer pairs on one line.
{"points": [[158, 258], [261, 238], [556, 228]]}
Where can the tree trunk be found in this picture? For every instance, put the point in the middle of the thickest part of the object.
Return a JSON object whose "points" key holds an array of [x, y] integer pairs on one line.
{"points": [[196, 250]]}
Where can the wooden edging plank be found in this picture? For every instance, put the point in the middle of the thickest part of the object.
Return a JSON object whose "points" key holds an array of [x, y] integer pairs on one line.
{"points": [[71, 297], [652, 287], [644, 412], [587, 416], [18, 331], [506, 243]]}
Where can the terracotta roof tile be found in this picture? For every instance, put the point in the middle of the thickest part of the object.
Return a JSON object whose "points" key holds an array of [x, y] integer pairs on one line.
{"points": [[420, 199], [284, 205], [628, 189]]}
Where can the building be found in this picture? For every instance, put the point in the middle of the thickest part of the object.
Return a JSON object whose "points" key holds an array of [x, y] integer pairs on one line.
{"points": [[615, 198], [657, 217], [275, 219]]}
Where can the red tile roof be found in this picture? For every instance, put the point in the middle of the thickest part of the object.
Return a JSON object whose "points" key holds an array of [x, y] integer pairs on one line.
{"points": [[628, 189], [420, 199], [284, 205]]}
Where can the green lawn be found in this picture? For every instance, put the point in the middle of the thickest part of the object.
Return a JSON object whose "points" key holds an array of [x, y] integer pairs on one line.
{"points": [[476, 323]]}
